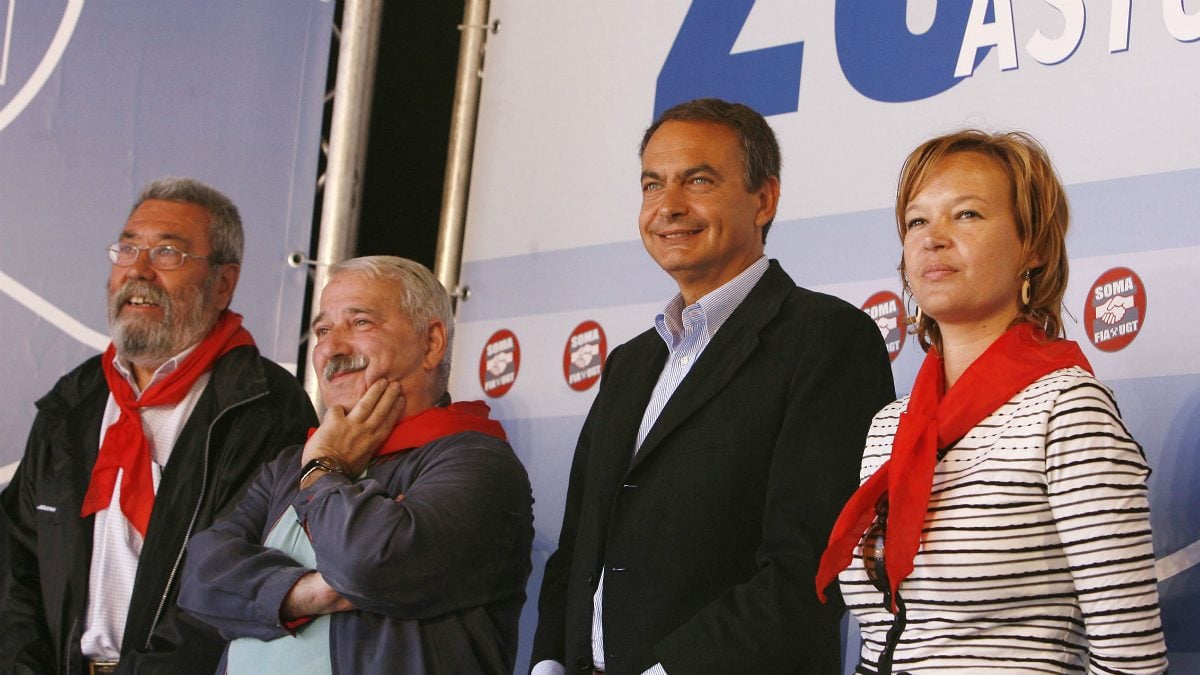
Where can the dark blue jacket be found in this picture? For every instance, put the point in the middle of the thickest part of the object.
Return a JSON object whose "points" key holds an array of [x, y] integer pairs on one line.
{"points": [[438, 577]]}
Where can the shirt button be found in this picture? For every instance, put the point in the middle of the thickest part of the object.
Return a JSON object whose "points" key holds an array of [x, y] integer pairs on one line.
{"points": [[683, 361]]}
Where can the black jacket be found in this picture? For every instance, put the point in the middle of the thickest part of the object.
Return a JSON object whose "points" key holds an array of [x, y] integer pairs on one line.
{"points": [[250, 410], [711, 536]]}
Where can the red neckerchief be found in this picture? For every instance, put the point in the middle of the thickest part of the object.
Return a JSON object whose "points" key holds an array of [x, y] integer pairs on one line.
{"points": [[436, 422], [125, 445], [934, 419]]}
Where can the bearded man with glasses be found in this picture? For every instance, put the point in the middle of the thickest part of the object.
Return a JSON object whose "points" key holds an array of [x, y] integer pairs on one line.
{"points": [[138, 448]]}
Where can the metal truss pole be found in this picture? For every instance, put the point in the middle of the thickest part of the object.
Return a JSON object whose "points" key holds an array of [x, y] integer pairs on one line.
{"points": [[475, 29], [346, 158]]}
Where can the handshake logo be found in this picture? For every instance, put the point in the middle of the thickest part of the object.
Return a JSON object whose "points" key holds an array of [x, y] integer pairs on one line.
{"points": [[1115, 309], [583, 356], [499, 363], [887, 311]]}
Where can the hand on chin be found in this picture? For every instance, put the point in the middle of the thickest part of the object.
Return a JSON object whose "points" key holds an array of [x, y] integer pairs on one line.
{"points": [[345, 390], [352, 435]]}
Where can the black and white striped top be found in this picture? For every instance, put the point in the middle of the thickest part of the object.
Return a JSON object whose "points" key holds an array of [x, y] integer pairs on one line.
{"points": [[1036, 554]]}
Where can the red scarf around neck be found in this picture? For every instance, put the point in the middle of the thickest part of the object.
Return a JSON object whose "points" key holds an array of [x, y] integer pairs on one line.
{"points": [[934, 419], [437, 422], [125, 445]]}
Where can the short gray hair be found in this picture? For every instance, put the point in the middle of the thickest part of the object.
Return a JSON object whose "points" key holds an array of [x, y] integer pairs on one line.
{"points": [[225, 235], [423, 298]]}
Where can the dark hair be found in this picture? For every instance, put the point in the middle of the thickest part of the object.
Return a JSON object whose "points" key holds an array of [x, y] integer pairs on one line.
{"points": [[1039, 208], [760, 149]]}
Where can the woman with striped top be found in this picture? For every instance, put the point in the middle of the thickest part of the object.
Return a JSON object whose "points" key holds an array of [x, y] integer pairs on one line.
{"points": [[1002, 524]]}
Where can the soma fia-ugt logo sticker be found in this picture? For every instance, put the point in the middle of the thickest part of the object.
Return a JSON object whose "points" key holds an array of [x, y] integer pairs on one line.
{"points": [[583, 357], [499, 363], [1115, 309], [887, 311]]}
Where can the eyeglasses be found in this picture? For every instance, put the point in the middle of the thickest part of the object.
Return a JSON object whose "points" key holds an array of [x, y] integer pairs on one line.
{"points": [[165, 257]]}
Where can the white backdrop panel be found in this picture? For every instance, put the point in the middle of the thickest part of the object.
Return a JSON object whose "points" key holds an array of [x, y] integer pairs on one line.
{"points": [[552, 238]]}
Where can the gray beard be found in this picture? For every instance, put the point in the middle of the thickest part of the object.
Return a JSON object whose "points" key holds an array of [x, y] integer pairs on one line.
{"points": [[185, 321]]}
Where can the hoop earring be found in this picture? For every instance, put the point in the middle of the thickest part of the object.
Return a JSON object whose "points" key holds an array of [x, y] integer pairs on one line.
{"points": [[915, 320], [1025, 288]]}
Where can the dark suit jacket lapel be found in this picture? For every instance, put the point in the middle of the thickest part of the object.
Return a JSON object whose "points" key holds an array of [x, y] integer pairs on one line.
{"points": [[723, 358], [639, 358]]}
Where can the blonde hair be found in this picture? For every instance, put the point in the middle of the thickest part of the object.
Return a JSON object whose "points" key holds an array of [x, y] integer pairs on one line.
{"points": [[1039, 208]]}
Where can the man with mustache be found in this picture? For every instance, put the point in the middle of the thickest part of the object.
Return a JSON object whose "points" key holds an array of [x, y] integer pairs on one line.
{"points": [[397, 539], [138, 448], [722, 443]]}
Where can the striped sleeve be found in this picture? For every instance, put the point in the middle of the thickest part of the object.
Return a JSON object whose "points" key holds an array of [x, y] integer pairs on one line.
{"points": [[1096, 486]]}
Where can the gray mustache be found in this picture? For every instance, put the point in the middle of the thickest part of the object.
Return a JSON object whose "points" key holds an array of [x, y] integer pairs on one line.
{"points": [[344, 364]]}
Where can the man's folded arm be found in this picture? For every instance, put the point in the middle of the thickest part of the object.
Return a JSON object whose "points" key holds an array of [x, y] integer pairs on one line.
{"points": [[230, 580], [449, 543]]}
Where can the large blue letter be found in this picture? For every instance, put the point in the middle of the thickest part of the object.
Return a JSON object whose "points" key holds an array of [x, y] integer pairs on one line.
{"points": [[885, 62], [700, 63]]}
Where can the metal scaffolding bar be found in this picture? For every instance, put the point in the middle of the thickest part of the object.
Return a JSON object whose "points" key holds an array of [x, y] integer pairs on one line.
{"points": [[475, 29], [349, 127]]}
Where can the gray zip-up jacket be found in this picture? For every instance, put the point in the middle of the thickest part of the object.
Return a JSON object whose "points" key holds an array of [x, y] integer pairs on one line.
{"points": [[250, 410]]}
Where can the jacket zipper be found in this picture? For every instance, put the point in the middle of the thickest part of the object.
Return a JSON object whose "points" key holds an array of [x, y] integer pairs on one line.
{"points": [[162, 602], [67, 647]]}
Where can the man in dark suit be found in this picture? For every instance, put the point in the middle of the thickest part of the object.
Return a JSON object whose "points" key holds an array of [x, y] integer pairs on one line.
{"points": [[722, 442]]}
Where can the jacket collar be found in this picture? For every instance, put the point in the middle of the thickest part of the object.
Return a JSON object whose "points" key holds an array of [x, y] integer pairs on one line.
{"points": [[236, 376], [723, 357]]}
